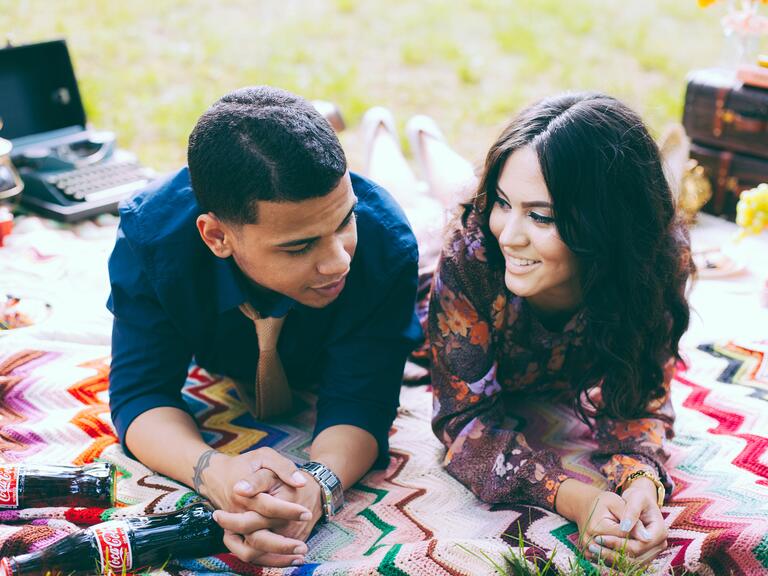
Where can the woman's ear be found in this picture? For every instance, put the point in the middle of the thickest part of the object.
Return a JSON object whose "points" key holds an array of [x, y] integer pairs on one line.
{"points": [[215, 234]]}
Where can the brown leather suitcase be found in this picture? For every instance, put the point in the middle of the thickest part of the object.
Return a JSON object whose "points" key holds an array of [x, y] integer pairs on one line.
{"points": [[730, 173], [722, 112]]}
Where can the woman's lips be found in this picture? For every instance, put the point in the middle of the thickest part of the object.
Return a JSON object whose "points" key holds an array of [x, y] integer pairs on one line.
{"points": [[517, 265]]}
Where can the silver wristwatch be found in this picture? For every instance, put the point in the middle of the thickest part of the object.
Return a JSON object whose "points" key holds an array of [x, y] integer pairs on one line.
{"points": [[330, 486]]}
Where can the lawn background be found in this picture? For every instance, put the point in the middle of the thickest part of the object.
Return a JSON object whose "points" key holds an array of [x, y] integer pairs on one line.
{"points": [[148, 69]]}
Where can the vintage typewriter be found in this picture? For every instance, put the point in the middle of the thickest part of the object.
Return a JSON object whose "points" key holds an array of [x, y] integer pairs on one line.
{"points": [[70, 171]]}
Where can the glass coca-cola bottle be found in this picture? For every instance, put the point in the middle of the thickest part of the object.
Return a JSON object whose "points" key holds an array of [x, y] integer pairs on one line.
{"points": [[125, 546], [41, 485]]}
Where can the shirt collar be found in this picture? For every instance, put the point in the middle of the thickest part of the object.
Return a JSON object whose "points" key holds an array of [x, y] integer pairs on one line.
{"points": [[232, 291]]}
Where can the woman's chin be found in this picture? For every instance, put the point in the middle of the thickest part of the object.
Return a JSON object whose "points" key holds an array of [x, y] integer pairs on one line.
{"points": [[518, 287]]}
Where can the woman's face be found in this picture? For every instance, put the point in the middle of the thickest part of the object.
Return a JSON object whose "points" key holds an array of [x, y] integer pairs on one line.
{"points": [[538, 264]]}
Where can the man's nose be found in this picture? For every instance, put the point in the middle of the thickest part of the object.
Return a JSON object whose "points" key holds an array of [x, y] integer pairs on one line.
{"points": [[336, 261]]}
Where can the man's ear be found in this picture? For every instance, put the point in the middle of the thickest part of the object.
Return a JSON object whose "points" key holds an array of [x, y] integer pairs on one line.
{"points": [[215, 234]]}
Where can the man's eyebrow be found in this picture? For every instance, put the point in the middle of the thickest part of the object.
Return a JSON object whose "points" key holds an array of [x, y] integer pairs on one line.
{"points": [[534, 204], [298, 242], [311, 239]]}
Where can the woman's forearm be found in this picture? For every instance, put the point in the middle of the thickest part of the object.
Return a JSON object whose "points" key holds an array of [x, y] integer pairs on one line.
{"points": [[572, 496]]}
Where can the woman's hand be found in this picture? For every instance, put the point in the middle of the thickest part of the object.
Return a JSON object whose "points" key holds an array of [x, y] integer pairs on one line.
{"points": [[596, 512], [642, 522]]}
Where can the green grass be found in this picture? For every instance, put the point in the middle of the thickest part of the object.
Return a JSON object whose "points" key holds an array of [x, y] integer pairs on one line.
{"points": [[515, 562], [148, 69]]}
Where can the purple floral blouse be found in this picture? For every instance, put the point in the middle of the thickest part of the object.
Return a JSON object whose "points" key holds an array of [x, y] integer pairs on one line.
{"points": [[489, 352]]}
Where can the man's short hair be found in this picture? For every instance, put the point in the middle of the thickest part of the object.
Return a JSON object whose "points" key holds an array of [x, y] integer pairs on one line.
{"points": [[261, 143]]}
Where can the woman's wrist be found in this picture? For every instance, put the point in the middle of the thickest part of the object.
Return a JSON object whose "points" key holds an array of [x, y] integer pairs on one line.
{"points": [[643, 485], [645, 477], [573, 496]]}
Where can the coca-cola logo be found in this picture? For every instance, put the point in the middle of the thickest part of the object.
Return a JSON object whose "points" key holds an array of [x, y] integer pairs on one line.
{"points": [[9, 486], [114, 547]]}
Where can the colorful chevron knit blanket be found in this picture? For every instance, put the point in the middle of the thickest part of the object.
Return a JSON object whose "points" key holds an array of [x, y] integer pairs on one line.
{"points": [[412, 518]]}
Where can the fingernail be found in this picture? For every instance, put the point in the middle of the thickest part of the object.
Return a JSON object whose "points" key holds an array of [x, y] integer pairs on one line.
{"points": [[306, 516], [625, 525], [300, 549], [297, 562], [216, 516], [594, 549], [243, 486], [599, 540], [298, 477], [644, 534]]}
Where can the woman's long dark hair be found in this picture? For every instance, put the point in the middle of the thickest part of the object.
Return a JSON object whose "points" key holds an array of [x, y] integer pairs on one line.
{"points": [[614, 209]]}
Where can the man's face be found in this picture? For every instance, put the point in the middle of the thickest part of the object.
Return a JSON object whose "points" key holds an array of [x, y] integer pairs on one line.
{"points": [[300, 249]]}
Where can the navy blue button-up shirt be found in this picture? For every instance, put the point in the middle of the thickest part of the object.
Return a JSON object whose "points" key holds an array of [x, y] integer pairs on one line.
{"points": [[173, 301]]}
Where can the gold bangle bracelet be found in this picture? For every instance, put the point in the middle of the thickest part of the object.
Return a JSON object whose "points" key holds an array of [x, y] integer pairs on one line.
{"points": [[661, 492]]}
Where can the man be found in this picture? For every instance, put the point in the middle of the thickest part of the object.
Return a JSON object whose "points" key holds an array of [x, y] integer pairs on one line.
{"points": [[266, 226]]}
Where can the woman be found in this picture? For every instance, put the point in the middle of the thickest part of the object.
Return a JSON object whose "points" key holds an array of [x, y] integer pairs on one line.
{"points": [[563, 281], [565, 277]]}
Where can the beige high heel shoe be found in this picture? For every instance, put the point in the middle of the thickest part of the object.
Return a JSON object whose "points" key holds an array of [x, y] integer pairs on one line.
{"points": [[330, 112], [372, 119]]}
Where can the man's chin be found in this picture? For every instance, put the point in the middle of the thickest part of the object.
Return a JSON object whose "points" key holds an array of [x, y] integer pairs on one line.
{"points": [[317, 301]]}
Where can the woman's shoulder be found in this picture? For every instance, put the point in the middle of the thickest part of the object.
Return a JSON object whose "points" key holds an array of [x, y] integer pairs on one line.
{"points": [[467, 239]]}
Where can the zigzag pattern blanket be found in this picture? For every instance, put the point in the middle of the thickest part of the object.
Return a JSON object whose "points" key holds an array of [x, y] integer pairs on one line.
{"points": [[412, 518]]}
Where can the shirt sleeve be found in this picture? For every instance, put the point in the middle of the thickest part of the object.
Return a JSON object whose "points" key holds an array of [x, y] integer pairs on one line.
{"points": [[485, 452], [150, 358], [626, 446], [363, 370]]}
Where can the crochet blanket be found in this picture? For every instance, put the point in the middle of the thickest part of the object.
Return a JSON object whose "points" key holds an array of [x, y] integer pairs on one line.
{"points": [[412, 518]]}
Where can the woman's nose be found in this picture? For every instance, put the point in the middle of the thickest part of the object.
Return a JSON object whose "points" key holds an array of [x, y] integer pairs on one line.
{"points": [[513, 233]]}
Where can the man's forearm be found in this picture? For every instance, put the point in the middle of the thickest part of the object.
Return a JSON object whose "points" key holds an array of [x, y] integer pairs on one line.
{"points": [[348, 451], [168, 441]]}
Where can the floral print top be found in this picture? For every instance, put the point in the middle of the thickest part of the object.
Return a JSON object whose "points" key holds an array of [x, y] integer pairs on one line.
{"points": [[490, 352]]}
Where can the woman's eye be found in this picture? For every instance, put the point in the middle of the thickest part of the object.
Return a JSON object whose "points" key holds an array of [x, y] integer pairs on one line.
{"points": [[501, 202], [541, 219]]}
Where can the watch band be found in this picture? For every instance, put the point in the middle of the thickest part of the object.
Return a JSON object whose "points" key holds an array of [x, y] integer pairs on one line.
{"points": [[330, 486], [661, 492]]}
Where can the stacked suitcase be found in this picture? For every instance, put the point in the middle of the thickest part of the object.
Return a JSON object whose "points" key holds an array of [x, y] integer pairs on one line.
{"points": [[727, 123]]}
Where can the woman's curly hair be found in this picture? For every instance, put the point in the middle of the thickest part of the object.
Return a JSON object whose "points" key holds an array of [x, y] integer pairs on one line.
{"points": [[614, 210]]}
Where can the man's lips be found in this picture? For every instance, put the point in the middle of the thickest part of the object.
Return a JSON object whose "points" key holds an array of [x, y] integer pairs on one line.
{"points": [[332, 288], [330, 284]]}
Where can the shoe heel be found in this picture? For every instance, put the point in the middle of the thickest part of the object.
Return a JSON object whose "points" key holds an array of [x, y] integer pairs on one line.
{"points": [[330, 112]]}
